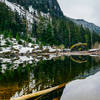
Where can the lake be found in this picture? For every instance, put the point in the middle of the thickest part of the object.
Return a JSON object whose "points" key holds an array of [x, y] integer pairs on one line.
{"points": [[80, 73]]}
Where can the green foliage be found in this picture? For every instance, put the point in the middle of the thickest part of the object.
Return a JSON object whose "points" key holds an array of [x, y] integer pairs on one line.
{"points": [[55, 31], [45, 6], [11, 23], [62, 46]]}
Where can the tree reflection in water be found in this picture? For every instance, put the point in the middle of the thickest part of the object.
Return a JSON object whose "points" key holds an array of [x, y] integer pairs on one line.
{"points": [[28, 78]]}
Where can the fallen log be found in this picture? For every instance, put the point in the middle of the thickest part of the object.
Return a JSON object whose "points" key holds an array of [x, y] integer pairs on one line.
{"points": [[29, 96]]}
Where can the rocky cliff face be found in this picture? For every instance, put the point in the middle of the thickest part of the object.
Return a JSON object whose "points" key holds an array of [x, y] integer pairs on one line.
{"points": [[46, 6], [52, 7]]}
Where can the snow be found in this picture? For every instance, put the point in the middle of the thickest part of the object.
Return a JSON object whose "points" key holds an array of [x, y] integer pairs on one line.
{"points": [[17, 47], [8, 49], [3, 66], [59, 50], [33, 39], [1, 37], [52, 50], [49, 48], [37, 60], [15, 7], [47, 15], [31, 15], [51, 56], [3, 42], [22, 59], [30, 44], [22, 12], [31, 10], [5, 60], [36, 46], [38, 51], [91, 50], [44, 47], [21, 49], [25, 50]]}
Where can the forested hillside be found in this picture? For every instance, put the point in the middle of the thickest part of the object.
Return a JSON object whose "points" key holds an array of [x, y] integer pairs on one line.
{"points": [[46, 6], [11, 23], [57, 30]]}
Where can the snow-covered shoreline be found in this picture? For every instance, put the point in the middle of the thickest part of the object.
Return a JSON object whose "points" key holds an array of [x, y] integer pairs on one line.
{"points": [[11, 46]]}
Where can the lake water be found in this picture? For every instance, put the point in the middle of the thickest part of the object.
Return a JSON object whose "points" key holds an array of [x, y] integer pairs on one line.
{"points": [[80, 73]]}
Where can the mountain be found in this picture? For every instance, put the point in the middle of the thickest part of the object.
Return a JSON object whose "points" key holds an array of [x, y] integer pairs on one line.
{"points": [[86, 24], [52, 7], [43, 20], [46, 6]]}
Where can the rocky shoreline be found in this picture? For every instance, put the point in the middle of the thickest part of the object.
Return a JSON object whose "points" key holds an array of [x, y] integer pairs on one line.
{"points": [[8, 54], [11, 48]]}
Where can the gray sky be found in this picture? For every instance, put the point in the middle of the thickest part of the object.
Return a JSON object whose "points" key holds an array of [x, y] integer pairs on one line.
{"points": [[82, 9]]}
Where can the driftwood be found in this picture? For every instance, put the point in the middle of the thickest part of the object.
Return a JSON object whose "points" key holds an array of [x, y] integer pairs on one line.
{"points": [[29, 96]]}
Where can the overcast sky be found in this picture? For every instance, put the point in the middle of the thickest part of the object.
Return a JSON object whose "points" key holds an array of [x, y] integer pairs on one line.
{"points": [[82, 9]]}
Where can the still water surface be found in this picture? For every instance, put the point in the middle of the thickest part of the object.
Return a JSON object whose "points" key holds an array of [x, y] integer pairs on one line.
{"points": [[80, 73]]}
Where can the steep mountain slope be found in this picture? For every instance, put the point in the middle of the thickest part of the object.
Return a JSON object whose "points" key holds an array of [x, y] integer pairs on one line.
{"points": [[11, 23], [46, 6], [44, 21], [86, 24], [52, 7]]}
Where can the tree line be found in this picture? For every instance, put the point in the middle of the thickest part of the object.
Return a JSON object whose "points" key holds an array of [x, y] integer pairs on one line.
{"points": [[54, 31]]}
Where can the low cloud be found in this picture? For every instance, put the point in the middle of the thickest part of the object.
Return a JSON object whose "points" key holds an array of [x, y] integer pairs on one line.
{"points": [[82, 9]]}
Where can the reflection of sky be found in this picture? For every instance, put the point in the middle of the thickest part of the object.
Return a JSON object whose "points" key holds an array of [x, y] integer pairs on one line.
{"points": [[87, 89]]}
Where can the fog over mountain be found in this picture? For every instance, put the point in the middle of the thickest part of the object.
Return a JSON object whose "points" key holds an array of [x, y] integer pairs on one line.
{"points": [[82, 9]]}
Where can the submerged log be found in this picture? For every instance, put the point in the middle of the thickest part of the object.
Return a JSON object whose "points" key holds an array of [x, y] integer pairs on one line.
{"points": [[29, 96]]}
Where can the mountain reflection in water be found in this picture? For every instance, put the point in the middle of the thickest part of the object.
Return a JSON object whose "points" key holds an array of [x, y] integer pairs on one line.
{"points": [[86, 89], [29, 78]]}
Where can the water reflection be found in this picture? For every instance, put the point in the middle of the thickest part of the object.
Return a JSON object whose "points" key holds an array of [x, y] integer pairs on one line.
{"points": [[87, 89], [27, 78], [79, 59]]}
